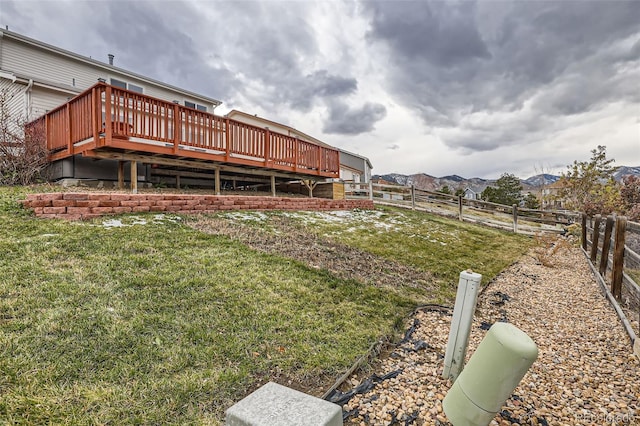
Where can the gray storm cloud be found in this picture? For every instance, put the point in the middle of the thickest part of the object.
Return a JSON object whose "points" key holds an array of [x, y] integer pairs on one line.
{"points": [[532, 59]]}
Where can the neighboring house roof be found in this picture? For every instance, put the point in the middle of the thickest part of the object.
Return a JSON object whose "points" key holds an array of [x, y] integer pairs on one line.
{"points": [[239, 115], [362, 157], [96, 63], [559, 184]]}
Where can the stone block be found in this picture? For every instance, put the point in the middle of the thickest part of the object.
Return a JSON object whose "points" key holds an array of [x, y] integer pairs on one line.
{"points": [[277, 405]]}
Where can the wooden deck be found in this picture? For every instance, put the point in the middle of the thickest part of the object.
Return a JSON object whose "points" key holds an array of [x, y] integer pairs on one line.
{"points": [[150, 130]]}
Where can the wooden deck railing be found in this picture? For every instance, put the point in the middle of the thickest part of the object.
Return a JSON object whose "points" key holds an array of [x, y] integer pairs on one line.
{"points": [[141, 123]]}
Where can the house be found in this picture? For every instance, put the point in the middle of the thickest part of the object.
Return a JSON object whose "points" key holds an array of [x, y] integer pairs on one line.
{"points": [[551, 195], [470, 194], [99, 119], [353, 167]]}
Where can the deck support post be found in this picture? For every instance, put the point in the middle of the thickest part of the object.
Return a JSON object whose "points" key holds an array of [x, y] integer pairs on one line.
{"points": [[134, 177], [273, 185], [217, 180], [120, 174], [310, 185]]}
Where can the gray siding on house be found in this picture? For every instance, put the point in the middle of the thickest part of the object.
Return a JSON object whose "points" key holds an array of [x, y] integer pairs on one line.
{"points": [[352, 161], [13, 94], [68, 74], [45, 66], [44, 100]]}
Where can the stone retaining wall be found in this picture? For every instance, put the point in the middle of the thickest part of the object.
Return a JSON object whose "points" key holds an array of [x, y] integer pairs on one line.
{"points": [[86, 205]]}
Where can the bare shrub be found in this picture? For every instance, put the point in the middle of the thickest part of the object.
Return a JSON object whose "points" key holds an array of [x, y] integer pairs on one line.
{"points": [[550, 248], [23, 150]]}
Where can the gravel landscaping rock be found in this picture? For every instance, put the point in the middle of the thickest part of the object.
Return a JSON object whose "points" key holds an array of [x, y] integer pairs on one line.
{"points": [[585, 374]]}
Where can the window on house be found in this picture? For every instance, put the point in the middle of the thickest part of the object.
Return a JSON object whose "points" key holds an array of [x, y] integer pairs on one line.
{"points": [[195, 106], [118, 83], [134, 88], [125, 85]]}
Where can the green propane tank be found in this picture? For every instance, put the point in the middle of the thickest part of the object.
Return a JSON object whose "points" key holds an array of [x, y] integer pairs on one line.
{"points": [[493, 372]]}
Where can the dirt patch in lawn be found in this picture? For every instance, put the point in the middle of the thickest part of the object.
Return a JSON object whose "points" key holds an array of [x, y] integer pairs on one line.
{"points": [[288, 240]]}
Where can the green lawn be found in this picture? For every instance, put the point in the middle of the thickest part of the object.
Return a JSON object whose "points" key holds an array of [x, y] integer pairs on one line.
{"points": [[428, 242], [158, 323]]}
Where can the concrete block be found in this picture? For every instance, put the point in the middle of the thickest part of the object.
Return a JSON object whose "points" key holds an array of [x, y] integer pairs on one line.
{"points": [[277, 405]]}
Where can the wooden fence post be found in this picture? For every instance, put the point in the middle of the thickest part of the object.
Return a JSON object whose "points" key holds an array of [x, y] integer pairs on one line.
{"points": [[584, 231], [606, 246], [595, 237], [515, 218], [618, 257], [370, 189], [460, 208], [413, 197]]}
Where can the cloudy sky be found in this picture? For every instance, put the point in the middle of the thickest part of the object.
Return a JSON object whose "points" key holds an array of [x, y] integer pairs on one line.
{"points": [[468, 88]]}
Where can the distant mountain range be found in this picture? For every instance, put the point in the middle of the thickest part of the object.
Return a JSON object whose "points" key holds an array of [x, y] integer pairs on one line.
{"points": [[432, 183]]}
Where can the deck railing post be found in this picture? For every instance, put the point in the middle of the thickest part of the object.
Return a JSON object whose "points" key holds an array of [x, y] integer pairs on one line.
{"points": [[108, 119], [595, 238], [67, 128], [460, 208], [267, 146], [177, 128], [319, 164], [370, 189], [228, 132], [94, 116], [606, 245], [515, 218], [618, 257]]}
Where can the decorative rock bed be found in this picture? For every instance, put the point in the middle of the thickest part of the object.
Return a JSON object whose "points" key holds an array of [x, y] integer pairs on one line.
{"points": [[586, 373]]}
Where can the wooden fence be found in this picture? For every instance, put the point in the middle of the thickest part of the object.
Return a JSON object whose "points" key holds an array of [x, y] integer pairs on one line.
{"points": [[612, 245], [513, 217]]}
